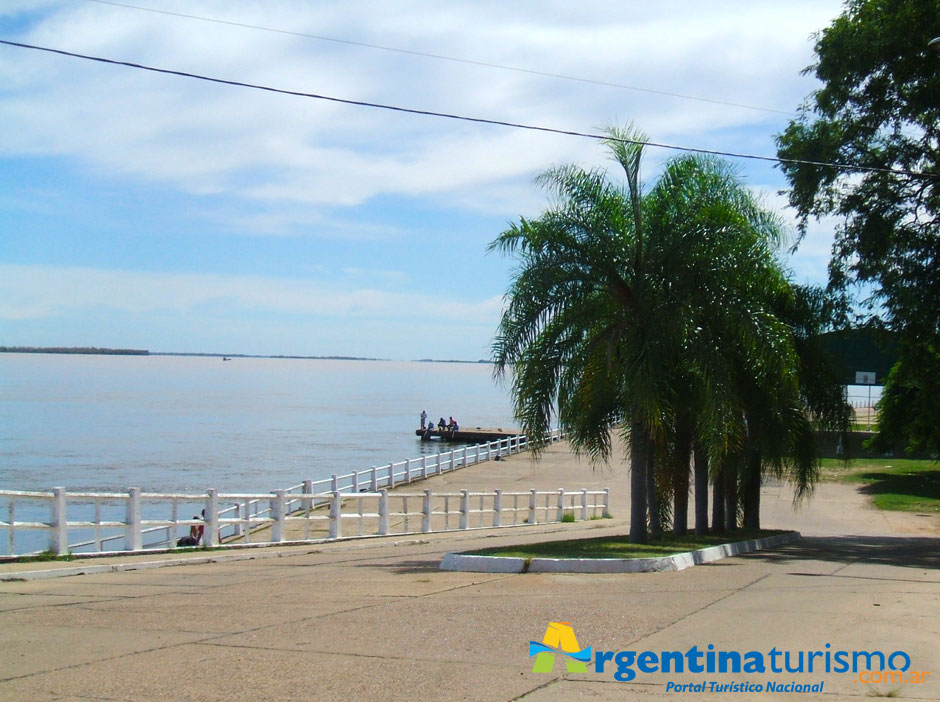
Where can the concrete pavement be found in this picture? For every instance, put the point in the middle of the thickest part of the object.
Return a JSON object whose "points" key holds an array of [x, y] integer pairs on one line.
{"points": [[378, 620]]}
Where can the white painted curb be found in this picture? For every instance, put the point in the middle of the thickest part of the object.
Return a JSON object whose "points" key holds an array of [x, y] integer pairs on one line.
{"points": [[679, 561]]}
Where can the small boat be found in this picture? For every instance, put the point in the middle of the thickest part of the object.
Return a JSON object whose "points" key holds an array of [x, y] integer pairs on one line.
{"points": [[226, 358]]}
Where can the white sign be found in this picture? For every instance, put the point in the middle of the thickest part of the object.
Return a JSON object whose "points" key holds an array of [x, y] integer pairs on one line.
{"points": [[864, 377]]}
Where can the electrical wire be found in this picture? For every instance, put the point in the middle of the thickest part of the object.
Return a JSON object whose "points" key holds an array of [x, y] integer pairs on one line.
{"points": [[476, 120], [442, 57]]}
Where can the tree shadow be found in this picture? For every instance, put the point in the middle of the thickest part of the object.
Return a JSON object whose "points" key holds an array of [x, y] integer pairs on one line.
{"points": [[901, 551], [414, 567], [923, 484]]}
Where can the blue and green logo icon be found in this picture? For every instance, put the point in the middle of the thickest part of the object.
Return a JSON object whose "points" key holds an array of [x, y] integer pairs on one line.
{"points": [[559, 639]]}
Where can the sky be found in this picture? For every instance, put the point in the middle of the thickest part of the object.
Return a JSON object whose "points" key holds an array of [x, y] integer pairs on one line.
{"points": [[142, 210]]}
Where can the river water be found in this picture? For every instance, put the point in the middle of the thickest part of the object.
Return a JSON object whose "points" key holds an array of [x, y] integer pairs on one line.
{"points": [[173, 423]]}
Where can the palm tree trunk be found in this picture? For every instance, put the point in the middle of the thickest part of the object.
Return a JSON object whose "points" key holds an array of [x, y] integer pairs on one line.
{"points": [[652, 497], [751, 488], [638, 459], [731, 495], [701, 489], [718, 500], [680, 478]]}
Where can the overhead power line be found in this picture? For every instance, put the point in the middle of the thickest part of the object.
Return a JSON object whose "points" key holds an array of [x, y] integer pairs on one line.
{"points": [[465, 118], [442, 57]]}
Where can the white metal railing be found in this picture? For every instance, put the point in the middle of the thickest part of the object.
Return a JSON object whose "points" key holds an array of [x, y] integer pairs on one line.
{"points": [[376, 513], [105, 522]]}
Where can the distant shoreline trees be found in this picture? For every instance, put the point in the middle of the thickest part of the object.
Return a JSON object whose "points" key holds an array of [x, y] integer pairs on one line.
{"points": [[75, 350]]}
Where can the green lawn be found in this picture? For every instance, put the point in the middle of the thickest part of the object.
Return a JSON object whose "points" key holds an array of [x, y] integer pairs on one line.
{"points": [[620, 547], [894, 483]]}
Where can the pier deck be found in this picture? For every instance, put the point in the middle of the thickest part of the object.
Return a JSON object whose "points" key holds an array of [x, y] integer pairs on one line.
{"points": [[474, 435]]}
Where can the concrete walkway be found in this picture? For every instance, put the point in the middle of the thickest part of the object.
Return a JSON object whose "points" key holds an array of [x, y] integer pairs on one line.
{"points": [[377, 619]]}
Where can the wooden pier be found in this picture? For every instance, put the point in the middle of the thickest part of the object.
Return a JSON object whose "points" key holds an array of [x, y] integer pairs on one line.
{"points": [[475, 435]]}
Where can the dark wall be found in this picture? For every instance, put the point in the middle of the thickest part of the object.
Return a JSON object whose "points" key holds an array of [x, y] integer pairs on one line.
{"points": [[827, 445]]}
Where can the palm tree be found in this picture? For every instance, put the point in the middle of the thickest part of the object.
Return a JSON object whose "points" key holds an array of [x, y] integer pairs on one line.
{"points": [[639, 310], [728, 281], [781, 423]]}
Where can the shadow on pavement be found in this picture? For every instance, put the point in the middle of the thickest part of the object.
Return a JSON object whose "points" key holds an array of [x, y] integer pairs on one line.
{"points": [[907, 552], [415, 567]]}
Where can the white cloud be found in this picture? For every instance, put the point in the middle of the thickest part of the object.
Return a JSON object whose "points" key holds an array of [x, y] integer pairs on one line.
{"points": [[35, 292], [211, 139]]}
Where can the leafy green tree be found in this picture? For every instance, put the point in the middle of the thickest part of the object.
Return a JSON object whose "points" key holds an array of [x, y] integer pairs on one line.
{"points": [[627, 305], [878, 114], [908, 412]]}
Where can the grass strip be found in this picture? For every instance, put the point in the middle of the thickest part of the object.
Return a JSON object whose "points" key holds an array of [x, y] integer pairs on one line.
{"points": [[620, 546], [902, 484]]}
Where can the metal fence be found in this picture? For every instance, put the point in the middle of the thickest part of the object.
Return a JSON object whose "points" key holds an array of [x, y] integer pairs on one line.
{"points": [[103, 522]]}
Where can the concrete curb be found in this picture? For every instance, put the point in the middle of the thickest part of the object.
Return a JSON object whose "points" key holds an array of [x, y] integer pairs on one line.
{"points": [[19, 576], [679, 561]]}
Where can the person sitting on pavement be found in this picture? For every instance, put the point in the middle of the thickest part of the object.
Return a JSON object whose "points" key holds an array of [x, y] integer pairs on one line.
{"points": [[195, 532]]}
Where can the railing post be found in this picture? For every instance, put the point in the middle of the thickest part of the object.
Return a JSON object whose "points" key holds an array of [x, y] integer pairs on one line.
{"points": [[424, 467], [606, 512], [498, 508], [307, 503], [59, 540], [584, 504], [464, 509], [11, 532], [355, 482], [383, 512], [426, 512], [408, 471], [210, 535], [334, 483], [170, 531], [134, 538], [561, 504], [336, 510], [239, 528], [464, 456], [279, 507], [374, 486], [391, 475], [489, 450], [247, 532], [531, 506]]}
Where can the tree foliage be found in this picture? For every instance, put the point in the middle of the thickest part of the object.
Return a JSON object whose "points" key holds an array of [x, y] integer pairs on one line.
{"points": [[878, 108], [909, 413], [664, 312]]}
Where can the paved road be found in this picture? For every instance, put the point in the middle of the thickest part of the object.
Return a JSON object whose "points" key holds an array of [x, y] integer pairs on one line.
{"points": [[378, 620]]}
